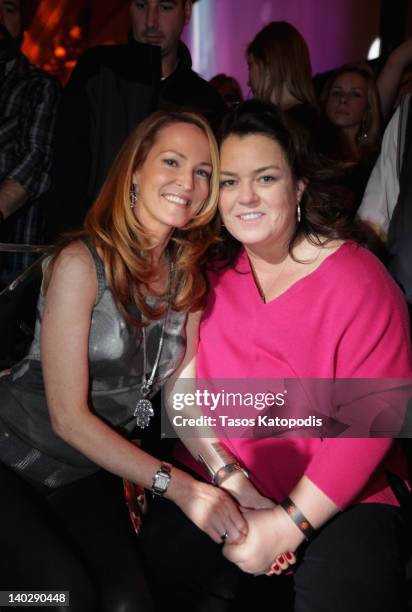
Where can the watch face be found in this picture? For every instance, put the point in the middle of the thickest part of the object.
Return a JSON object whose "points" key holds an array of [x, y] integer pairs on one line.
{"points": [[162, 480]]}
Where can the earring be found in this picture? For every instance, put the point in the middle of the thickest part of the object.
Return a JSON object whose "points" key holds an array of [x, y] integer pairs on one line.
{"points": [[362, 137], [298, 211], [133, 195]]}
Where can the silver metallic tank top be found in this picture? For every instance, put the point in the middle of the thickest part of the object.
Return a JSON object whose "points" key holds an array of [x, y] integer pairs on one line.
{"points": [[27, 441]]}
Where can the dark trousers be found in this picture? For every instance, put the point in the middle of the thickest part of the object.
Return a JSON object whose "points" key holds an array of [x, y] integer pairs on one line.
{"points": [[354, 564], [77, 538]]}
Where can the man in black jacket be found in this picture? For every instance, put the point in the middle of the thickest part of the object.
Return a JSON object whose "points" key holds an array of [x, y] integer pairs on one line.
{"points": [[28, 104], [111, 90]]}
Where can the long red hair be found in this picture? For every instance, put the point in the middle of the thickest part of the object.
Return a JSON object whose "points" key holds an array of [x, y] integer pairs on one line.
{"points": [[124, 244]]}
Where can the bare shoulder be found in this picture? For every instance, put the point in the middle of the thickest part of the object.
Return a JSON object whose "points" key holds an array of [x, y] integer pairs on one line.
{"points": [[74, 272], [74, 259], [194, 317], [193, 323]]}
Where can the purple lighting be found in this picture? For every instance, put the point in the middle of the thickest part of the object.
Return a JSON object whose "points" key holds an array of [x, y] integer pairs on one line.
{"points": [[337, 31]]}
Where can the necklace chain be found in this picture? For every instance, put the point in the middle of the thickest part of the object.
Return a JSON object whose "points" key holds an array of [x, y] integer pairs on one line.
{"points": [[147, 384], [273, 280], [144, 408]]}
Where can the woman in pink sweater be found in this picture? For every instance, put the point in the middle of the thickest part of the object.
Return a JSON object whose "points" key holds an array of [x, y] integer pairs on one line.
{"points": [[292, 297]]}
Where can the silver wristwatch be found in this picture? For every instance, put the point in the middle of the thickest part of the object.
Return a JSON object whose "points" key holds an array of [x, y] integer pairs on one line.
{"points": [[161, 479]]}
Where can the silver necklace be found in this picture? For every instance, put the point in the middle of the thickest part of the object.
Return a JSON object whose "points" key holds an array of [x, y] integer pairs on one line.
{"points": [[144, 407], [261, 292]]}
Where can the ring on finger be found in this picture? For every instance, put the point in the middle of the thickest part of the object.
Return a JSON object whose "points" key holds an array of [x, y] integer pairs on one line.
{"points": [[224, 536]]}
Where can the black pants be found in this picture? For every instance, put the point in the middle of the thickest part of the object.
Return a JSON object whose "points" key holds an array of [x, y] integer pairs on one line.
{"points": [[77, 538], [355, 564]]}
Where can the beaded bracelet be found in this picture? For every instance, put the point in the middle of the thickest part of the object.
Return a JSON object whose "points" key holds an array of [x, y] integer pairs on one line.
{"points": [[298, 518]]}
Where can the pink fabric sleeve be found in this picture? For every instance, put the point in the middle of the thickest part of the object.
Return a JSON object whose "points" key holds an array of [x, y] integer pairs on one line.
{"points": [[374, 343], [342, 467]]}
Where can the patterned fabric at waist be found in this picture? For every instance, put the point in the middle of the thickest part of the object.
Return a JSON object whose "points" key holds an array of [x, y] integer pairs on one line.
{"points": [[29, 444]]}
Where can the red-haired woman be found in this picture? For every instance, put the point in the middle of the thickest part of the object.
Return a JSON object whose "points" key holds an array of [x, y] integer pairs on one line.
{"points": [[110, 330]]}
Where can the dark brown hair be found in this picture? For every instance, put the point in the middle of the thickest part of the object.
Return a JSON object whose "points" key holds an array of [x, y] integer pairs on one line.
{"points": [[324, 206]]}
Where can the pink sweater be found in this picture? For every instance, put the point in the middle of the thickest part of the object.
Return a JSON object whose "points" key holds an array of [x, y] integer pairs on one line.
{"points": [[347, 319]]}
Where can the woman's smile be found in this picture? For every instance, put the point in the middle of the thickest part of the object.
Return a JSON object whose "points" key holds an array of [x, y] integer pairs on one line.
{"points": [[175, 199]]}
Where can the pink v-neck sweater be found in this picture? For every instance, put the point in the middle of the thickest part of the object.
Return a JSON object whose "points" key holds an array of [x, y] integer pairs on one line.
{"points": [[347, 319]]}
